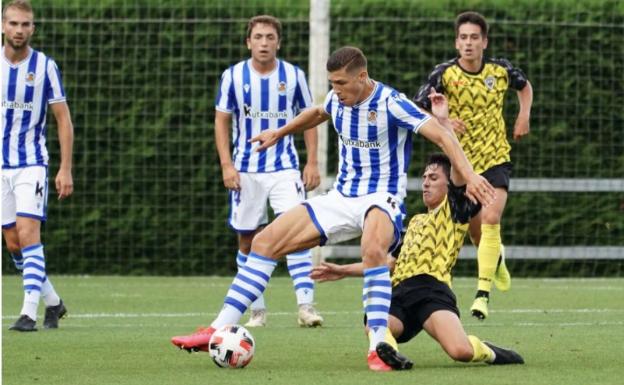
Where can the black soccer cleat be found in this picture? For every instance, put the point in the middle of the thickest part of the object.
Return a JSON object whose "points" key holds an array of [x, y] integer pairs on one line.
{"points": [[504, 356], [24, 324], [53, 314], [392, 357]]}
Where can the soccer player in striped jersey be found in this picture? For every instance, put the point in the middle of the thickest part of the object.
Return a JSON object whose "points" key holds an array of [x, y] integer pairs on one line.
{"points": [[30, 83], [374, 124], [421, 279], [257, 94], [475, 86]]}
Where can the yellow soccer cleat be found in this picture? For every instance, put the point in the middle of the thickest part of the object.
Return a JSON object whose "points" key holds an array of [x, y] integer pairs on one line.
{"points": [[502, 278], [479, 308]]}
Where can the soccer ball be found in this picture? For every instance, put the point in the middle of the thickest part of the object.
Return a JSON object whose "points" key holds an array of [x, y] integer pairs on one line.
{"points": [[231, 346]]}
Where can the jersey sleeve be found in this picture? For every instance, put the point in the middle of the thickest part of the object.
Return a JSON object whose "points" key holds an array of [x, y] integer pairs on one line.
{"points": [[303, 96], [462, 208], [405, 113], [55, 93], [327, 104], [224, 101], [435, 81], [517, 78]]}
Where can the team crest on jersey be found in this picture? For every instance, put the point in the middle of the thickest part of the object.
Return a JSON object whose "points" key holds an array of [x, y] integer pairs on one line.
{"points": [[281, 88], [489, 82], [30, 79], [372, 117], [246, 87]]}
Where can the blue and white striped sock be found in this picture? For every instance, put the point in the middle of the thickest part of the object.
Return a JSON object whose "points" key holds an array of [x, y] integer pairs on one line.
{"points": [[18, 260], [32, 276], [258, 304], [299, 268], [248, 284], [376, 297], [48, 294]]}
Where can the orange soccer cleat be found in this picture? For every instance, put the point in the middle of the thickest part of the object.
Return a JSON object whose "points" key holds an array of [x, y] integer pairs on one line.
{"points": [[195, 342]]}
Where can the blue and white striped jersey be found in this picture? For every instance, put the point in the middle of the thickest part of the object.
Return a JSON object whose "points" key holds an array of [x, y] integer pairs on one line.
{"points": [[259, 102], [27, 89], [374, 140]]}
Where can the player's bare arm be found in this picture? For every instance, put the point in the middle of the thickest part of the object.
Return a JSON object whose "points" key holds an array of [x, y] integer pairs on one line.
{"points": [[327, 271], [440, 109], [64, 181], [311, 174], [525, 99], [231, 179], [477, 187], [309, 118]]}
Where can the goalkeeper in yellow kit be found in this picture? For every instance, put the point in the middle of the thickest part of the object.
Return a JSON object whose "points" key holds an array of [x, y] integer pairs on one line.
{"points": [[421, 279], [475, 87]]}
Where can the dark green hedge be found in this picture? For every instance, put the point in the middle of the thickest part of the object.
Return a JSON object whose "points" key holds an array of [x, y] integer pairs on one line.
{"points": [[141, 77]]}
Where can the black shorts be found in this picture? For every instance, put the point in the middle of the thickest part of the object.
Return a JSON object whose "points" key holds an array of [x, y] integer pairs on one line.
{"points": [[416, 298], [499, 175]]}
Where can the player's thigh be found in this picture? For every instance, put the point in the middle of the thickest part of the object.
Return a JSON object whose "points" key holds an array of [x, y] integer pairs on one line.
{"points": [[292, 231], [446, 328], [382, 223], [492, 214], [248, 207], [287, 190]]}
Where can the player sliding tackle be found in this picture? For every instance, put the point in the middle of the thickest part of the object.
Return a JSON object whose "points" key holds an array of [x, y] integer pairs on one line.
{"points": [[421, 279], [374, 123]]}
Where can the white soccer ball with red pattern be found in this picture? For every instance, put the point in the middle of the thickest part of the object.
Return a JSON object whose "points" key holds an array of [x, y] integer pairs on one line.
{"points": [[231, 346]]}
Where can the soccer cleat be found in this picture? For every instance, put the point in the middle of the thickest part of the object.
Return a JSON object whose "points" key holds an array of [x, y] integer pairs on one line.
{"points": [[479, 308], [24, 324], [195, 342], [502, 278], [257, 318], [504, 356], [309, 317], [53, 314], [391, 356], [376, 364]]}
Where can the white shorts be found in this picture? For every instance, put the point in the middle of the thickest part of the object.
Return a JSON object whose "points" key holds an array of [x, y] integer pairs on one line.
{"points": [[248, 207], [24, 194], [339, 218]]}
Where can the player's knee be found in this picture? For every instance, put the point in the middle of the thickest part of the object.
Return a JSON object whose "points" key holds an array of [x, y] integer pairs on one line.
{"points": [[374, 254], [13, 246], [263, 244], [460, 352]]}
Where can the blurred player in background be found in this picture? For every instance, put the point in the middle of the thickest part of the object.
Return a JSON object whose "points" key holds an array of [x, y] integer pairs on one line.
{"points": [[31, 82], [475, 87], [374, 124], [257, 94], [421, 294]]}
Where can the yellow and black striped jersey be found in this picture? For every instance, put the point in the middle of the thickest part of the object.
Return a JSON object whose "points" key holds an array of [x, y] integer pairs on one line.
{"points": [[477, 99], [433, 240]]}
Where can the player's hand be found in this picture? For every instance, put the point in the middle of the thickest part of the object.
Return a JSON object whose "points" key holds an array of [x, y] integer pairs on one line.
{"points": [[64, 184], [311, 176], [478, 189], [439, 104], [521, 127], [458, 126], [231, 178], [327, 272], [266, 139]]}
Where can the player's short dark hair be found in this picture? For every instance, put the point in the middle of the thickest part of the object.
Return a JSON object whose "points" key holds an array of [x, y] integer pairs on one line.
{"points": [[349, 58], [22, 5], [441, 160], [473, 18], [265, 19]]}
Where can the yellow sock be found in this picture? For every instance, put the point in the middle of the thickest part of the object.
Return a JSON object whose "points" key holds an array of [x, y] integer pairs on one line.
{"points": [[481, 352], [389, 338], [487, 255]]}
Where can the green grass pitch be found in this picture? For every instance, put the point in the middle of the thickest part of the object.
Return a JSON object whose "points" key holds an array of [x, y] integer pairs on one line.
{"points": [[570, 331]]}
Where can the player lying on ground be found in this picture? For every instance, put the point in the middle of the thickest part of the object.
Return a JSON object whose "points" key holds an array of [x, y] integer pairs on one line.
{"points": [[421, 294], [374, 123]]}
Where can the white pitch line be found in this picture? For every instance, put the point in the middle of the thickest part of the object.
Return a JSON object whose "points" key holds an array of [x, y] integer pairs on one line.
{"points": [[213, 314]]}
